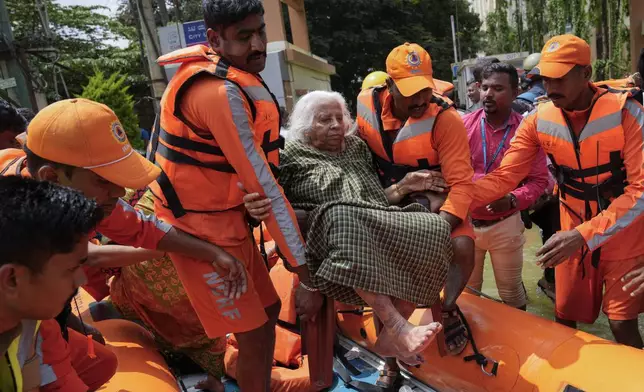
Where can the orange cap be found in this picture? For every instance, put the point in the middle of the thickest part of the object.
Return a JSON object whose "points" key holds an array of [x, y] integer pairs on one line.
{"points": [[410, 67], [87, 134], [560, 54]]}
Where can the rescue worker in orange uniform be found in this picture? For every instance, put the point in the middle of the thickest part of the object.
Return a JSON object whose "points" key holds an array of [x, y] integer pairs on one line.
{"points": [[219, 126], [410, 128], [81, 144], [594, 139]]}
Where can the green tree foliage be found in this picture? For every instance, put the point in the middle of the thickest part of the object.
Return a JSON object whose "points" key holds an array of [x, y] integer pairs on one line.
{"points": [[536, 23], [113, 92], [546, 18], [356, 36], [501, 36], [609, 17], [83, 38]]}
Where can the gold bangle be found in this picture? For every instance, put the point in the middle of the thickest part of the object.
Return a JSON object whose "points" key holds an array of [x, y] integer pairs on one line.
{"points": [[307, 288], [397, 191]]}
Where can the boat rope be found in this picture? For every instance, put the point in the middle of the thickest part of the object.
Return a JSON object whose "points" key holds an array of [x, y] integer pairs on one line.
{"points": [[482, 294], [479, 358]]}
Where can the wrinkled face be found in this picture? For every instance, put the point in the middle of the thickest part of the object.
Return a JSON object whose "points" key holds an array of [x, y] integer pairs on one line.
{"points": [[42, 295], [473, 92], [8, 139], [243, 44], [414, 106], [565, 91], [89, 183], [328, 130], [497, 94]]}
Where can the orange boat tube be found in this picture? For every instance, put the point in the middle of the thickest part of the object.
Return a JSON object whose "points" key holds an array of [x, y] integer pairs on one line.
{"points": [[533, 354]]}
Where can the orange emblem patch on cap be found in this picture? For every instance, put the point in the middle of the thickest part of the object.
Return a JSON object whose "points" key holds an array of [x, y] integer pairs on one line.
{"points": [[413, 59], [553, 46], [118, 132]]}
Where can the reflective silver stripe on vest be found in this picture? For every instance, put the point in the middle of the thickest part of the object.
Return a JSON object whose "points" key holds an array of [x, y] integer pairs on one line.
{"points": [[620, 224], [415, 129], [368, 115], [26, 340], [553, 129], [636, 111], [258, 93], [636, 210], [602, 124], [287, 226]]}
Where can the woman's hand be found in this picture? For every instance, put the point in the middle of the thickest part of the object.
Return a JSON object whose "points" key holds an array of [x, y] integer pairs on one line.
{"points": [[423, 180], [258, 208], [307, 303]]}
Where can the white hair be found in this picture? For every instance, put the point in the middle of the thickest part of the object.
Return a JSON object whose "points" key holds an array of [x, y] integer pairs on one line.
{"points": [[301, 120]]}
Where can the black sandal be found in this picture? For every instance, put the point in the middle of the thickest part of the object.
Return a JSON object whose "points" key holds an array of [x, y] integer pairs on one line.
{"points": [[454, 330], [395, 380]]}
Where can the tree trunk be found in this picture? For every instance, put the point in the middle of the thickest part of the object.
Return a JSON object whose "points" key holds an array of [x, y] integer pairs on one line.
{"points": [[605, 31]]}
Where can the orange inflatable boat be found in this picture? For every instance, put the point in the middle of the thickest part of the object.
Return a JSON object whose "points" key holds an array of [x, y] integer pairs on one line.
{"points": [[524, 352], [140, 366], [527, 353]]}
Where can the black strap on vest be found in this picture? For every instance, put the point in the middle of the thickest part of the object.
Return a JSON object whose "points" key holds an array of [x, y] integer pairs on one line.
{"points": [[154, 139], [171, 197], [18, 167], [172, 155], [390, 173]]}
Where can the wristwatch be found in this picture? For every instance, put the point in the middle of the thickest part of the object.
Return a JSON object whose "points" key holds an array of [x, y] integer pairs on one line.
{"points": [[513, 201]]}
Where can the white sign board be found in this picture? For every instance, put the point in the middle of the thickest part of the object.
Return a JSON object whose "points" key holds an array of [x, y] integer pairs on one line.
{"points": [[8, 83]]}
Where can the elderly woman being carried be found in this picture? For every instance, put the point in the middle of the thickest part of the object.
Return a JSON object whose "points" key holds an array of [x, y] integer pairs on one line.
{"points": [[360, 248]]}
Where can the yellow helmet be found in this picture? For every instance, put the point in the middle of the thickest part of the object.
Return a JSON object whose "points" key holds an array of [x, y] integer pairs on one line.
{"points": [[376, 78]]}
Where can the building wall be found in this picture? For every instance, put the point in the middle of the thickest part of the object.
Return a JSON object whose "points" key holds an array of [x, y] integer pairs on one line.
{"points": [[482, 8]]}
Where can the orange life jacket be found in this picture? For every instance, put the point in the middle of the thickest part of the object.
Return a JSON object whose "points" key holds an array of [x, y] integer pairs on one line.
{"points": [[12, 162], [625, 83], [191, 156], [407, 150], [285, 283], [589, 168]]}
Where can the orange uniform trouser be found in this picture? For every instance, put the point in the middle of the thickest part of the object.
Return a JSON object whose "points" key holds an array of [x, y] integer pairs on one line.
{"points": [[465, 229], [220, 315], [582, 290], [66, 367]]}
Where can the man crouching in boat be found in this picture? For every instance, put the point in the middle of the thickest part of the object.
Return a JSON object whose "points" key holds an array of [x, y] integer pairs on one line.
{"points": [[81, 144], [594, 138], [361, 248], [44, 231]]}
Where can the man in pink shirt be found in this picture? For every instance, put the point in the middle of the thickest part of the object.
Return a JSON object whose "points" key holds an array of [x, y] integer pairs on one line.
{"points": [[498, 226]]}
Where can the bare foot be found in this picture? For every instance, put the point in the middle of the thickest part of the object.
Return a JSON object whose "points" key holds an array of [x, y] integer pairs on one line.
{"points": [[384, 345], [211, 384], [406, 341], [386, 348], [413, 360], [414, 339]]}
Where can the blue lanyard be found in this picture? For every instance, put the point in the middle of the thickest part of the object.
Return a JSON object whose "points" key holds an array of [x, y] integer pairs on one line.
{"points": [[498, 149]]}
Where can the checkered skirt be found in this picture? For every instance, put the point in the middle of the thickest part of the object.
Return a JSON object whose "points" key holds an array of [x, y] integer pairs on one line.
{"points": [[355, 239]]}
